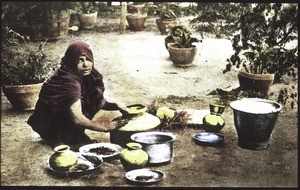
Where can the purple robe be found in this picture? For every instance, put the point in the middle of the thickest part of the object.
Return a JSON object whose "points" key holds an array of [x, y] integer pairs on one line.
{"points": [[51, 118]]}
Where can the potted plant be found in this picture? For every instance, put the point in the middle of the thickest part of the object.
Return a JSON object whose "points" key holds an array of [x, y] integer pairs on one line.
{"points": [[88, 12], [167, 13], [39, 20], [261, 52], [182, 51], [137, 18], [24, 69]]}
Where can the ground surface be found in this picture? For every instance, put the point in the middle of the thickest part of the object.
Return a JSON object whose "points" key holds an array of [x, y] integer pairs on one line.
{"points": [[137, 69]]}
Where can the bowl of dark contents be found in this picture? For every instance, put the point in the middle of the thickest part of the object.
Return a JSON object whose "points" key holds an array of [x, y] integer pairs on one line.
{"points": [[107, 151], [144, 176], [209, 139]]}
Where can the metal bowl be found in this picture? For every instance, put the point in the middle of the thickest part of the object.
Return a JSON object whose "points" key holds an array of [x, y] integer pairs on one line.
{"points": [[208, 139], [158, 145]]}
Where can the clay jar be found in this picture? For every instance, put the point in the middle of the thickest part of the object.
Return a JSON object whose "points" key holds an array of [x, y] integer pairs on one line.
{"points": [[133, 157], [214, 122], [63, 158]]}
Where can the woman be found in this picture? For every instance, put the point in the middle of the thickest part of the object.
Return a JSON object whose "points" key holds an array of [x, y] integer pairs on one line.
{"points": [[70, 98]]}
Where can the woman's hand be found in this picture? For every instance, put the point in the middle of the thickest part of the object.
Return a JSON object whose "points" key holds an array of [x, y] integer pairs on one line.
{"points": [[123, 109], [116, 106], [80, 119]]}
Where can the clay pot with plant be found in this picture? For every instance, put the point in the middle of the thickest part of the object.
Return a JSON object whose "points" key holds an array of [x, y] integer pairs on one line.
{"points": [[261, 52], [87, 14], [137, 18], [24, 69], [182, 51], [167, 13]]}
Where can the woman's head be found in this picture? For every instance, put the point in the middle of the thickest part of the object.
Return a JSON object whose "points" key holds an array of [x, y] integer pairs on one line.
{"points": [[79, 57]]}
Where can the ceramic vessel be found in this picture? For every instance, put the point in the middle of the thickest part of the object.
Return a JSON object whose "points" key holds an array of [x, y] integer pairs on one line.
{"points": [[255, 82], [133, 157], [87, 20], [139, 123], [22, 97], [63, 158], [214, 122], [163, 24], [181, 57], [136, 22]]}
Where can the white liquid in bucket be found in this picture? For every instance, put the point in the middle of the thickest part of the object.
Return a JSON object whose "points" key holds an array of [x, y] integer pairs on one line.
{"points": [[255, 106]]}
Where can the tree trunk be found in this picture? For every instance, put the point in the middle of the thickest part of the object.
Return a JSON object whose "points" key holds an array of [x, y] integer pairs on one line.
{"points": [[123, 17]]}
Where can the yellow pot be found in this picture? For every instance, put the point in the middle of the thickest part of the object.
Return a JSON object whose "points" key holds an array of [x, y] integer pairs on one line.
{"points": [[63, 158], [133, 157], [213, 123]]}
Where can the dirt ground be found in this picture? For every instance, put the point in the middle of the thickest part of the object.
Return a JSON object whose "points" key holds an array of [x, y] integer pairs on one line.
{"points": [[137, 69]]}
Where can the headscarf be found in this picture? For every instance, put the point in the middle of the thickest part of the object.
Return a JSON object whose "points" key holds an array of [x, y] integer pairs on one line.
{"points": [[65, 87], [74, 51]]}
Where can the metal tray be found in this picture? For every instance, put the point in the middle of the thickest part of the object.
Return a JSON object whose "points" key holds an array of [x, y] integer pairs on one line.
{"points": [[92, 161], [209, 139]]}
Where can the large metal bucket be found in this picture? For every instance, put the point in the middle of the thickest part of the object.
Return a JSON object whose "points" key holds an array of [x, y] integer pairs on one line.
{"points": [[254, 120], [158, 145]]}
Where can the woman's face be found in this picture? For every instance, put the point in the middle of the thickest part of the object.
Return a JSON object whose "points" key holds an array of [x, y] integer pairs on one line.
{"points": [[84, 66]]}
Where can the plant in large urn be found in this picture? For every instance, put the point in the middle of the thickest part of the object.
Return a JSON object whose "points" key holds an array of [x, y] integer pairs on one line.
{"points": [[182, 51], [24, 69], [87, 14], [263, 49], [167, 13], [137, 19]]}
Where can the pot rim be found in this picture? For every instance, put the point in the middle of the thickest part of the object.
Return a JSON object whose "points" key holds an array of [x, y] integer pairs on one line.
{"points": [[88, 14], [166, 19], [276, 109], [61, 148], [22, 85], [153, 133], [266, 76], [172, 44]]}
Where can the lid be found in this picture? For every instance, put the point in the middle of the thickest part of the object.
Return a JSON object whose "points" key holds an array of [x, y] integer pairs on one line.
{"points": [[144, 122], [208, 138]]}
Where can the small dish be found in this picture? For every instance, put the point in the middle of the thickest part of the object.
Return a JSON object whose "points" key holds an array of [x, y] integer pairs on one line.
{"points": [[208, 138], [144, 176], [107, 151]]}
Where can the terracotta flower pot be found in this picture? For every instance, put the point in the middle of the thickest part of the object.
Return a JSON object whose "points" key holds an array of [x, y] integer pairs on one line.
{"points": [[168, 39], [256, 82], [136, 22], [87, 21], [182, 57], [162, 24], [22, 97]]}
